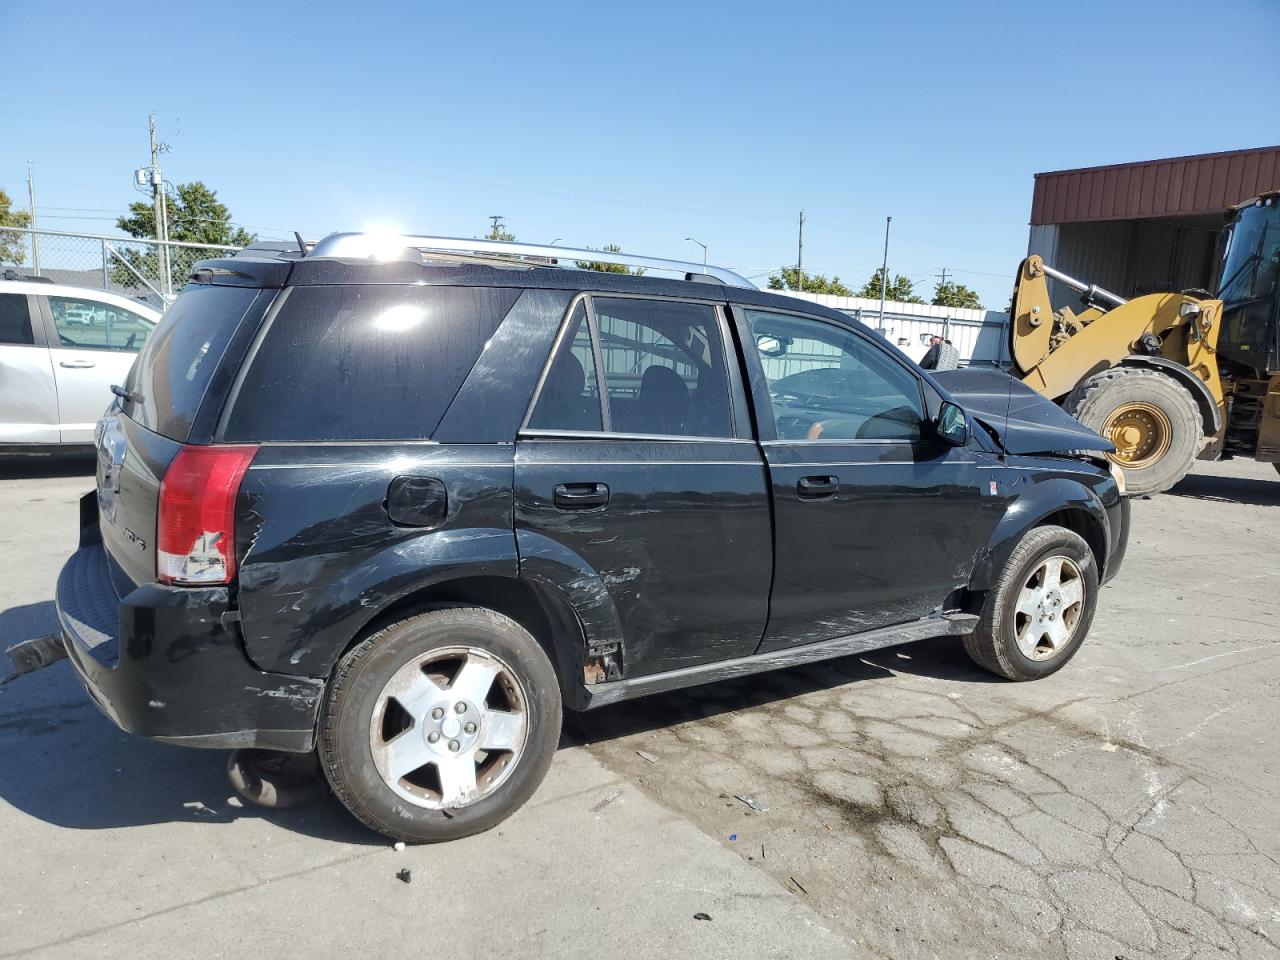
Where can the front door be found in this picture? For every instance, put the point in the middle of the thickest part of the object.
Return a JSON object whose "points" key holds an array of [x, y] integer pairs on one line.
{"points": [[92, 345], [637, 460], [876, 520]]}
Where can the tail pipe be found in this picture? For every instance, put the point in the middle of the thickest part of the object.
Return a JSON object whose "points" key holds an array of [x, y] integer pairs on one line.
{"points": [[1090, 290]]}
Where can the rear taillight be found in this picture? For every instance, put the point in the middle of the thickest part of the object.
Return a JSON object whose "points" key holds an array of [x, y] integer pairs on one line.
{"points": [[195, 526]]}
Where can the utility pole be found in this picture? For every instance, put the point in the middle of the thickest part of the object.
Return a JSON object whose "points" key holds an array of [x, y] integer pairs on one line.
{"points": [[35, 240], [495, 232], [160, 203], [884, 269], [942, 278], [800, 257]]}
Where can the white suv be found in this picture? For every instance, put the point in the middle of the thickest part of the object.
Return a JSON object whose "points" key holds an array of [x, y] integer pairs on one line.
{"points": [[61, 349]]}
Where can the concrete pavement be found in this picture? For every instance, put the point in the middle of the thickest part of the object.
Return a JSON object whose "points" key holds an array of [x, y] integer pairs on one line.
{"points": [[916, 807]]}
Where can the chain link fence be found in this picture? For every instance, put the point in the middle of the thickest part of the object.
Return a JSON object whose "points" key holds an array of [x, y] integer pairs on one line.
{"points": [[146, 270]]}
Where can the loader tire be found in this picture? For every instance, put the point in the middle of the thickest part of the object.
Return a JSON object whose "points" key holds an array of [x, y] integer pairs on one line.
{"points": [[1149, 416]]}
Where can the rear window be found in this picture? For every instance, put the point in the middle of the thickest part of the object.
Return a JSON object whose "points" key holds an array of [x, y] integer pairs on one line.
{"points": [[177, 362], [364, 362]]}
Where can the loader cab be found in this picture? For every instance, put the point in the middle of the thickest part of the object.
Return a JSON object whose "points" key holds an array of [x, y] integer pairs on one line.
{"points": [[1249, 287]]}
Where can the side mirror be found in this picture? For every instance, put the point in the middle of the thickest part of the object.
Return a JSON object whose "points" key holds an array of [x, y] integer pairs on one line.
{"points": [[952, 424], [770, 346]]}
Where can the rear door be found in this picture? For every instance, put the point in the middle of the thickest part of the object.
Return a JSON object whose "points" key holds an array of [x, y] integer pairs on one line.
{"points": [[92, 344], [28, 399], [638, 459], [876, 520]]}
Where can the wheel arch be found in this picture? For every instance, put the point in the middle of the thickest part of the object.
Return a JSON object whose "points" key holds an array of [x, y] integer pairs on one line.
{"points": [[549, 590], [548, 620], [1210, 414], [1087, 525], [1061, 502]]}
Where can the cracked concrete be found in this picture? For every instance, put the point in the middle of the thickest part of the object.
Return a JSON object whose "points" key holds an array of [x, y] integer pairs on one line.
{"points": [[918, 808], [1125, 807]]}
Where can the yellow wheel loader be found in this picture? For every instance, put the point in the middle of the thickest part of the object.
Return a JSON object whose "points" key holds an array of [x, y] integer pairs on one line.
{"points": [[1166, 377]]}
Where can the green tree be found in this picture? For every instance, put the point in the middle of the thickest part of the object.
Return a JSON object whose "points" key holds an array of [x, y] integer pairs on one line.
{"points": [[900, 290], [195, 215], [788, 278], [13, 247], [499, 231], [955, 295], [609, 267]]}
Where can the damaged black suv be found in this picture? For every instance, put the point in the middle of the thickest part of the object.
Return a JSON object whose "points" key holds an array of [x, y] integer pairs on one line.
{"points": [[395, 504]]}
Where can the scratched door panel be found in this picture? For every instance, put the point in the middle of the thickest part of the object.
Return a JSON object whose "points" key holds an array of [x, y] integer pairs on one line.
{"points": [[682, 547], [899, 534]]}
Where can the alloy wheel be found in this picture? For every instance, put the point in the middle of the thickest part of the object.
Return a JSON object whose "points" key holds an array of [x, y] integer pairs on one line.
{"points": [[449, 727], [1048, 609]]}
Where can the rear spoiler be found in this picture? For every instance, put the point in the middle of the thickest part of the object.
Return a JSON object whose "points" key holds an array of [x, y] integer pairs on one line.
{"points": [[242, 272]]}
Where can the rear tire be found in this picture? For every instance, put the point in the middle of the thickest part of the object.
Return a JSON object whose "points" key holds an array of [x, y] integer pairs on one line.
{"points": [[1040, 608], [441, 725], [1150, 417]]}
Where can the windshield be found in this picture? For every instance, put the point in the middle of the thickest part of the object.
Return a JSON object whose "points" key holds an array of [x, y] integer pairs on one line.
{"points": [[1251, 257]]}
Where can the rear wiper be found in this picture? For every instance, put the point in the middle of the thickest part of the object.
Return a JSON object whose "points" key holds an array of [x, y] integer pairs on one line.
{"points": [[125, 394]]}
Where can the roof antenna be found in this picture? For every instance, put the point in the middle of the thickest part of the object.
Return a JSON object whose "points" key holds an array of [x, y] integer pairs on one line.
{"points": [[302, 244]]}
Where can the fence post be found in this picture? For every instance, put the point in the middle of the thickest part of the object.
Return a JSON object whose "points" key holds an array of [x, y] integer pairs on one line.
{"points": [[106, 272]]}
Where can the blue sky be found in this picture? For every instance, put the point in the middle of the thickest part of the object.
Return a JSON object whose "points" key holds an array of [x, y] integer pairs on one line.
{"points": [[636, 124]]}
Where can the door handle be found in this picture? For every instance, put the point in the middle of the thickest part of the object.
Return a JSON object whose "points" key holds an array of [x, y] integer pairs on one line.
{"points": [[76, 364], [581, 496], [818, 488]]}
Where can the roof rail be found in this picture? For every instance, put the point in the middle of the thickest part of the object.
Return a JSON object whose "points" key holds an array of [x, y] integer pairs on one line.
{"points": [[392, 246]]}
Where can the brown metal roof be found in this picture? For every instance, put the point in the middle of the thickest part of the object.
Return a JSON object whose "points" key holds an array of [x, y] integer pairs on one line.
{"points": [[1179, 186]]}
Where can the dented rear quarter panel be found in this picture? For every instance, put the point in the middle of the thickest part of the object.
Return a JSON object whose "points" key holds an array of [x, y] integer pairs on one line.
{"points": [[321, 556]]}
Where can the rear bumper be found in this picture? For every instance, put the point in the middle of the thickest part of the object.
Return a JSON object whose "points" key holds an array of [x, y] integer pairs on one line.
{"points": [[168, 663]]}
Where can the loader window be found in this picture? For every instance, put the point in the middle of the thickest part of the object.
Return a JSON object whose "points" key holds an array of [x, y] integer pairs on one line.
{"points": [[1252, 262]]}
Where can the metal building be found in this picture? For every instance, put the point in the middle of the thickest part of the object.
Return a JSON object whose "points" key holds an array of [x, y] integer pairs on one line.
{"points": [[976, 334], [1136, 228]]}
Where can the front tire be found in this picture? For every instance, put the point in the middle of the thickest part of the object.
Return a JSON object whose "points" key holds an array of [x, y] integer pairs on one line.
{"points": [[1040, 608], [1150, 417], [440, 726]]}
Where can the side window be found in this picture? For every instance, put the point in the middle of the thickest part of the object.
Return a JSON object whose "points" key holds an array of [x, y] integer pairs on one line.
{"points": [[826, 383], [357, 362], [570, 397], [15, 320], [664, 367], [93, 325]]}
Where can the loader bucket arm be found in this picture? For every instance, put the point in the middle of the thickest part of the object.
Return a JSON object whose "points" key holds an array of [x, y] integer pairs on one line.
{"points": [[1031, 318]]}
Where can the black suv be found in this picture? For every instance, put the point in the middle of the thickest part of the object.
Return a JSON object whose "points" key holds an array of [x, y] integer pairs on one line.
{"points": [[398, 510]]}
